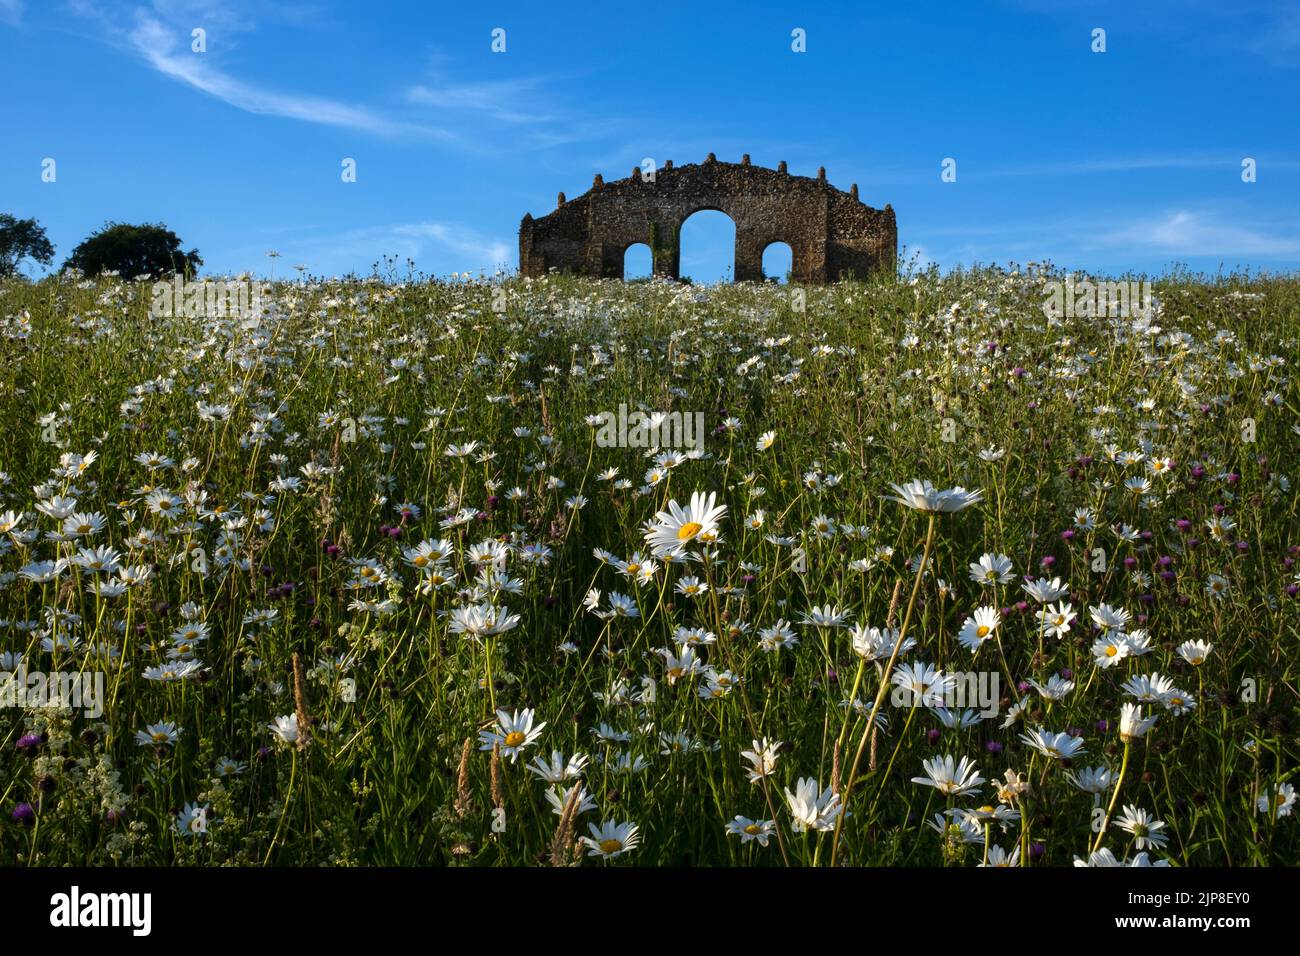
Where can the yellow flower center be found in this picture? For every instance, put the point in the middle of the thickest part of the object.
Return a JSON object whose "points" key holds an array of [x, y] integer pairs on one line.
{"points": [[611, 845], [514, 738], [689, 530], [1112, 650], [982, 631], [753, 829], [160, 738]]}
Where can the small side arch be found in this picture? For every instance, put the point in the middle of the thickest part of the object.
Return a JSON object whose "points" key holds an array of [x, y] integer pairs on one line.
{"points": [[778, 261]]}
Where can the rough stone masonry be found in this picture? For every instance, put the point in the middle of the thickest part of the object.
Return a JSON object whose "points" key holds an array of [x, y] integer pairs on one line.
{"points": [[831, 234]]}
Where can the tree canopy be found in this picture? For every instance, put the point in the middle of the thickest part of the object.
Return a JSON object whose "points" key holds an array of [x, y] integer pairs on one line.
{"points": [[22, 239], [149, 249]]}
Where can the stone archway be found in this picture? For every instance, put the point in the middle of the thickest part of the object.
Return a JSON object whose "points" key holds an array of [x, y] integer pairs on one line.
{"points": [[831, 233]]}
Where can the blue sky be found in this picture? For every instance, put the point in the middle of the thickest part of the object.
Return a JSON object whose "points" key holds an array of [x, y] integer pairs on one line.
{"points": [[1116, 161]]}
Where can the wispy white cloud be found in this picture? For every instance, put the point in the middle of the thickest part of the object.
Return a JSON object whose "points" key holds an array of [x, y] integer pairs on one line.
{"points": [[436, 247], [1141, 239], [513, 101], [160, 49], [1187, 233]]}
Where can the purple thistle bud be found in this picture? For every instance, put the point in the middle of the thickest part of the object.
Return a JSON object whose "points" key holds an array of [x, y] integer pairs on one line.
{"points": [[24, 814], [993, 747], [29, 744], [1067, 534]]}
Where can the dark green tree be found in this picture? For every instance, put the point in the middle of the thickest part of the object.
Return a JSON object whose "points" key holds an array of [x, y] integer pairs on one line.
{"points": [[22, 239], [149, 249]]}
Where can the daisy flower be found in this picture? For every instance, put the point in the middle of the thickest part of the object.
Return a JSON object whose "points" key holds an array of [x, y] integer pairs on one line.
{"points": [[749, 830], [611, 839], [923, 496], [673, 530], [513, 732], [950, 776]]}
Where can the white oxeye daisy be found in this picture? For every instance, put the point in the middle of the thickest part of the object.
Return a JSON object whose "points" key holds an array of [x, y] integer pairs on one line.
{"points": [[513, 732], [923, 496], [611, 839], [285, 728], [950, 776], [1195, 652], [192, 820], [1056, 746], [1132, 725], [749, 830], [811, 807], [1145, 828], [979, 628], [675, 529], [991, 569], [1278, 800]]}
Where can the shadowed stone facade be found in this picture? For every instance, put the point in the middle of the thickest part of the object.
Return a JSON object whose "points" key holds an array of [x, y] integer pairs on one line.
{"points": [[831, 234]]}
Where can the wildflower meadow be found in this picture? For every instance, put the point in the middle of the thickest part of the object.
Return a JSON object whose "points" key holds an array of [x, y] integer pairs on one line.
{"points": [[500, 571]]}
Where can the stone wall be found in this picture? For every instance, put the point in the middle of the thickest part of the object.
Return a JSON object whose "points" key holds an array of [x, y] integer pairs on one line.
{"points": [[831, 234]]}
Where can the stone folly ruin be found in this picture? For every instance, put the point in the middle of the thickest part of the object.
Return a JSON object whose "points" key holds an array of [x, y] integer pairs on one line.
{"points": [[831, 234]]}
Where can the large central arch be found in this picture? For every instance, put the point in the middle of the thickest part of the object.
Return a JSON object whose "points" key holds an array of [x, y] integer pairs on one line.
{"points": [[831, 234]]}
